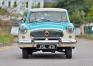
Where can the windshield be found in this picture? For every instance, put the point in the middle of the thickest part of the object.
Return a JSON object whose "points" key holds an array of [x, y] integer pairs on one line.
{"points": [[48, 16]]}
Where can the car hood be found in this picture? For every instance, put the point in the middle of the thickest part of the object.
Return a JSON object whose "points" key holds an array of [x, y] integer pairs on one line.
{"points": [[45, 25]]}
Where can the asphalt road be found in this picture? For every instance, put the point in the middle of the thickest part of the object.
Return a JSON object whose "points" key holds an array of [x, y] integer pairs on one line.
{"points": [[82, 56]]}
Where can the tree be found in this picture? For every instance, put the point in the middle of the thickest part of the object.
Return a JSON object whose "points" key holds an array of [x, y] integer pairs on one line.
{"points": [[89, 16], [78, 10], [74, 6]]}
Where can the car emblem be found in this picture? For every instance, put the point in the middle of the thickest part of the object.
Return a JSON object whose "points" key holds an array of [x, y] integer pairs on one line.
{"points": [[46, 33]]}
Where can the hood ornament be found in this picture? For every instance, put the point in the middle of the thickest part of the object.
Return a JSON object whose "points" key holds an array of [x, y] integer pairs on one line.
{"points": [[46, 33]]}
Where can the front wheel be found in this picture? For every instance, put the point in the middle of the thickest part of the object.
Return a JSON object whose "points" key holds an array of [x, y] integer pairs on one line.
{"points": [[68, 53], [24, 53]]}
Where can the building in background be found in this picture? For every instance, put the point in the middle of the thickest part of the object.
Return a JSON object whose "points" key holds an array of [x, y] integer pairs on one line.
{"points": [[21, 5], [25, 3], [50, 3]]}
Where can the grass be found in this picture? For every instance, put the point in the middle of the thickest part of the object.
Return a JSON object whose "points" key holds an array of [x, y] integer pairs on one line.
{"points": [[86, 36], [6, 39], [5, 26], [3, 12]]}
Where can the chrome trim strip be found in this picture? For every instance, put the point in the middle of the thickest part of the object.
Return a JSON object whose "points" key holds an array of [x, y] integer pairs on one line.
{"points": [[46, 41], [66, 45]]}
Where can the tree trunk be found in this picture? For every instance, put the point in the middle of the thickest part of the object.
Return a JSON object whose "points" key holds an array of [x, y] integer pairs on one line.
{"points": [[82, 29]]}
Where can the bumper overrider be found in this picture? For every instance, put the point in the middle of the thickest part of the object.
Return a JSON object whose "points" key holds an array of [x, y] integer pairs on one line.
{"points": [[33, 44]]}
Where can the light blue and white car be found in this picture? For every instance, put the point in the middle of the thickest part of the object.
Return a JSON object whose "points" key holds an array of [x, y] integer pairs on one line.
{"points": [[46, 29]]}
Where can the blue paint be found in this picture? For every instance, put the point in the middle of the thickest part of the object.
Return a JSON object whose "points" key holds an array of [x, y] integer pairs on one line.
{"points": [[45, 24]]}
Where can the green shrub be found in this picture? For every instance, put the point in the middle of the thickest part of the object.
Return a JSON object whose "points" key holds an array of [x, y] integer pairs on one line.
{"points": [[6, 39], [3, 12]]}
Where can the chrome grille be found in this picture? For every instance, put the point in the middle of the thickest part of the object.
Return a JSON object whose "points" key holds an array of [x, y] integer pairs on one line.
{"points": [[50, 34]]}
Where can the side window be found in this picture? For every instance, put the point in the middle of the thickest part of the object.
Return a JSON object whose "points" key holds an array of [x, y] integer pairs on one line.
{"points": [[64, 17], [32, 17]]}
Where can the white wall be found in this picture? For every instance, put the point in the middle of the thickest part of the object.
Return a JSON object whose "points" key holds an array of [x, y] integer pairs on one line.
{"points": [[0, 3], [77, 31], [20, 1]]}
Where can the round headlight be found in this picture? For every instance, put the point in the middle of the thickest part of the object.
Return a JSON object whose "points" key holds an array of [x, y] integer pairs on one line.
{"points": [[70, 29], [23, 30]]}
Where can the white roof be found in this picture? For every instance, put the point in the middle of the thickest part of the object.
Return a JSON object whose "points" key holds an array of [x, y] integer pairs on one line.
{"points": [[47, 9]]}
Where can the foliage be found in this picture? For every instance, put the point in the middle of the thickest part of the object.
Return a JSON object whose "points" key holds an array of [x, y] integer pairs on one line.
{"points": [[5, 36], [81, 11], [72, 5], [77, 17], [3, 12], [50, 5], [89, 16], [6, 39]]}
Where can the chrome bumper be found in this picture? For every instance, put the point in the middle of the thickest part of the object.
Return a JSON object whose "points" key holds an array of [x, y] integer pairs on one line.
{"points": [[64, 43]]}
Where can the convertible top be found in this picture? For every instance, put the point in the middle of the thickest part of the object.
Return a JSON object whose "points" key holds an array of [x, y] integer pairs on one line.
{"points": [[48, 9]]}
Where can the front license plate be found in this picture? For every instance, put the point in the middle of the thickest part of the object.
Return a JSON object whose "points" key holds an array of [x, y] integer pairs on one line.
{"points": [[46, 46]]}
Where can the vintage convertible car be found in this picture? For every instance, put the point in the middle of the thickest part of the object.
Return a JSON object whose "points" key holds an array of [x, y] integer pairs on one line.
{"points": [[46, 30]]}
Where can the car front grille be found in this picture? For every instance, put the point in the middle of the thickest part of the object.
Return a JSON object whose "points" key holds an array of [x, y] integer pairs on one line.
{"points": [[48, 33]]}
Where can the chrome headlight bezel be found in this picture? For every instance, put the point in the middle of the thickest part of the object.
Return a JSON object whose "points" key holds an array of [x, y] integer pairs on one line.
{"points": [[23, 30], [70, 29]]}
